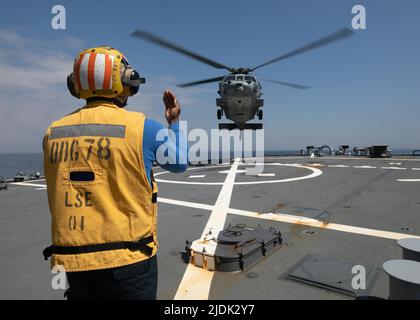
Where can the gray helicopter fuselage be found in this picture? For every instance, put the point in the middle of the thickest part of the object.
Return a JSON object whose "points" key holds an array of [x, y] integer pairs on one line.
{"points": [[240, 97]]}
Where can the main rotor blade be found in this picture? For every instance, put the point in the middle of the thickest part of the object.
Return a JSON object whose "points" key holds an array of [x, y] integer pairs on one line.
{"points": [[336, 36], [196, 83], [166, 44], [288, 84]]}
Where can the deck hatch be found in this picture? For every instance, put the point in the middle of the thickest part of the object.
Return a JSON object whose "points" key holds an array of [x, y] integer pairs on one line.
{"points": [[324, 216], [330, 274]]}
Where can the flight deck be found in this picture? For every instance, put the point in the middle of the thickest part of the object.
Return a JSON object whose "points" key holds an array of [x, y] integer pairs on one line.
{"points": [[337, 216]]}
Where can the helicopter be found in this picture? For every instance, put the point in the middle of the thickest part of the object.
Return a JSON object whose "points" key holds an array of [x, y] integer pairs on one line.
{"points": [[240, 91]]}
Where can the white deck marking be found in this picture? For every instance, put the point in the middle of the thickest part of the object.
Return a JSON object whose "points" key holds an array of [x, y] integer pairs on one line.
{"points": [[372, 167], [266, 174], [409, 180], [26, 184], [338, 166], [227, 171], [316, 165], [197, 176], [315, 173], [187, 204], [196, 283], [218, 216], [341, 158], [364, 167], [299, 220]]}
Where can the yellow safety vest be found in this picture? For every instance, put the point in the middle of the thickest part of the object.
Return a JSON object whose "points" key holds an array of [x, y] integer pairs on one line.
{"points": [[98, 191]]}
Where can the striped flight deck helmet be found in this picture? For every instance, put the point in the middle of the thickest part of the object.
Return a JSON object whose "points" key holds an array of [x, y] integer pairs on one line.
{"points": [[103, 72]]}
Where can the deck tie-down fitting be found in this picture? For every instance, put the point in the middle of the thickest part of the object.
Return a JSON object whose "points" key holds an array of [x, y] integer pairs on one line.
{"points": [[404, 274], [233, 249]]}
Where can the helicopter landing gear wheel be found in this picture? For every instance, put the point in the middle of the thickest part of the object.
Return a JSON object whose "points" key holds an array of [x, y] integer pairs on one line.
{"points": [[260, 115], [219, 114]]}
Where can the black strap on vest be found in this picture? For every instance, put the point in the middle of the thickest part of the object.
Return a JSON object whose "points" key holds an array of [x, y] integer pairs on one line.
{"points": [[155, 195], [154, 198], [141, 245]]}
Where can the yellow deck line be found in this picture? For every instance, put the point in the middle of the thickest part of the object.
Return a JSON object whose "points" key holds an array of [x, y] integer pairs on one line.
{"points": [[309, 222], [293, 219]]}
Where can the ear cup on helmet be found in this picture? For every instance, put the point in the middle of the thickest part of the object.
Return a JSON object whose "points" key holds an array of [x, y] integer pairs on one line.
{"points": [[71, 86], [134, 76], [132, 79]]}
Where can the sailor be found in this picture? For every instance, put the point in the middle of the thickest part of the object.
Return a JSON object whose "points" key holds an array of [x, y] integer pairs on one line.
{"points": [[102, 196]]}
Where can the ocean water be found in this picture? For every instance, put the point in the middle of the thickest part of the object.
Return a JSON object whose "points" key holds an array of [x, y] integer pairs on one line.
{"points": [[28, 163]]}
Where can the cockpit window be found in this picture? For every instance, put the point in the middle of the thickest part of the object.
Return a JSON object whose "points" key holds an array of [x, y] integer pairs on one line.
{"points": [[240, 78]]}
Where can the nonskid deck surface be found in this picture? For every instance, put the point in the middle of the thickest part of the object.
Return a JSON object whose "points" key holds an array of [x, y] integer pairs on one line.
{"points": [[345, 211]]}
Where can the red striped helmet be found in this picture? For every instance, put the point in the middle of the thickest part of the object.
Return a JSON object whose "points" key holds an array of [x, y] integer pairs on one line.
{"points": [[100, 72]]}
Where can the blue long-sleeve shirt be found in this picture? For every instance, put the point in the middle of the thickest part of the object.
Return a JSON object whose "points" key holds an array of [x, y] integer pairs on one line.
{"points": [[175, 144]]}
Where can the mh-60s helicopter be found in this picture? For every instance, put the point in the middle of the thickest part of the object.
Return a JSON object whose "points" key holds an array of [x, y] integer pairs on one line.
{"points": [[240, 91]]}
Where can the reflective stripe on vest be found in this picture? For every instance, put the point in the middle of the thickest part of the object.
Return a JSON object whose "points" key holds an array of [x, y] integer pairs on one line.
{"points": [[98, 191]]}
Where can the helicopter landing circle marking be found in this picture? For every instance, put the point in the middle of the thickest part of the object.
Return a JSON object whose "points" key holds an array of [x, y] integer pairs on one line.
{"points": [[315, 173], [227, 171]]}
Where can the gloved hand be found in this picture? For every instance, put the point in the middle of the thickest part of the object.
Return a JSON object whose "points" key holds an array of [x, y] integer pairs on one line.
{"points": [[172, 107]]}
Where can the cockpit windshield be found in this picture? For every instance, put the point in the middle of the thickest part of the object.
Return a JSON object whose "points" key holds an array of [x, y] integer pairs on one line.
{"points": [[250, 78], [240, 78]]}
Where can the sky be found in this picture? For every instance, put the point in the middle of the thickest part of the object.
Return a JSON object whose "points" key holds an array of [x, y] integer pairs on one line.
{"points": [[365, 89]]}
